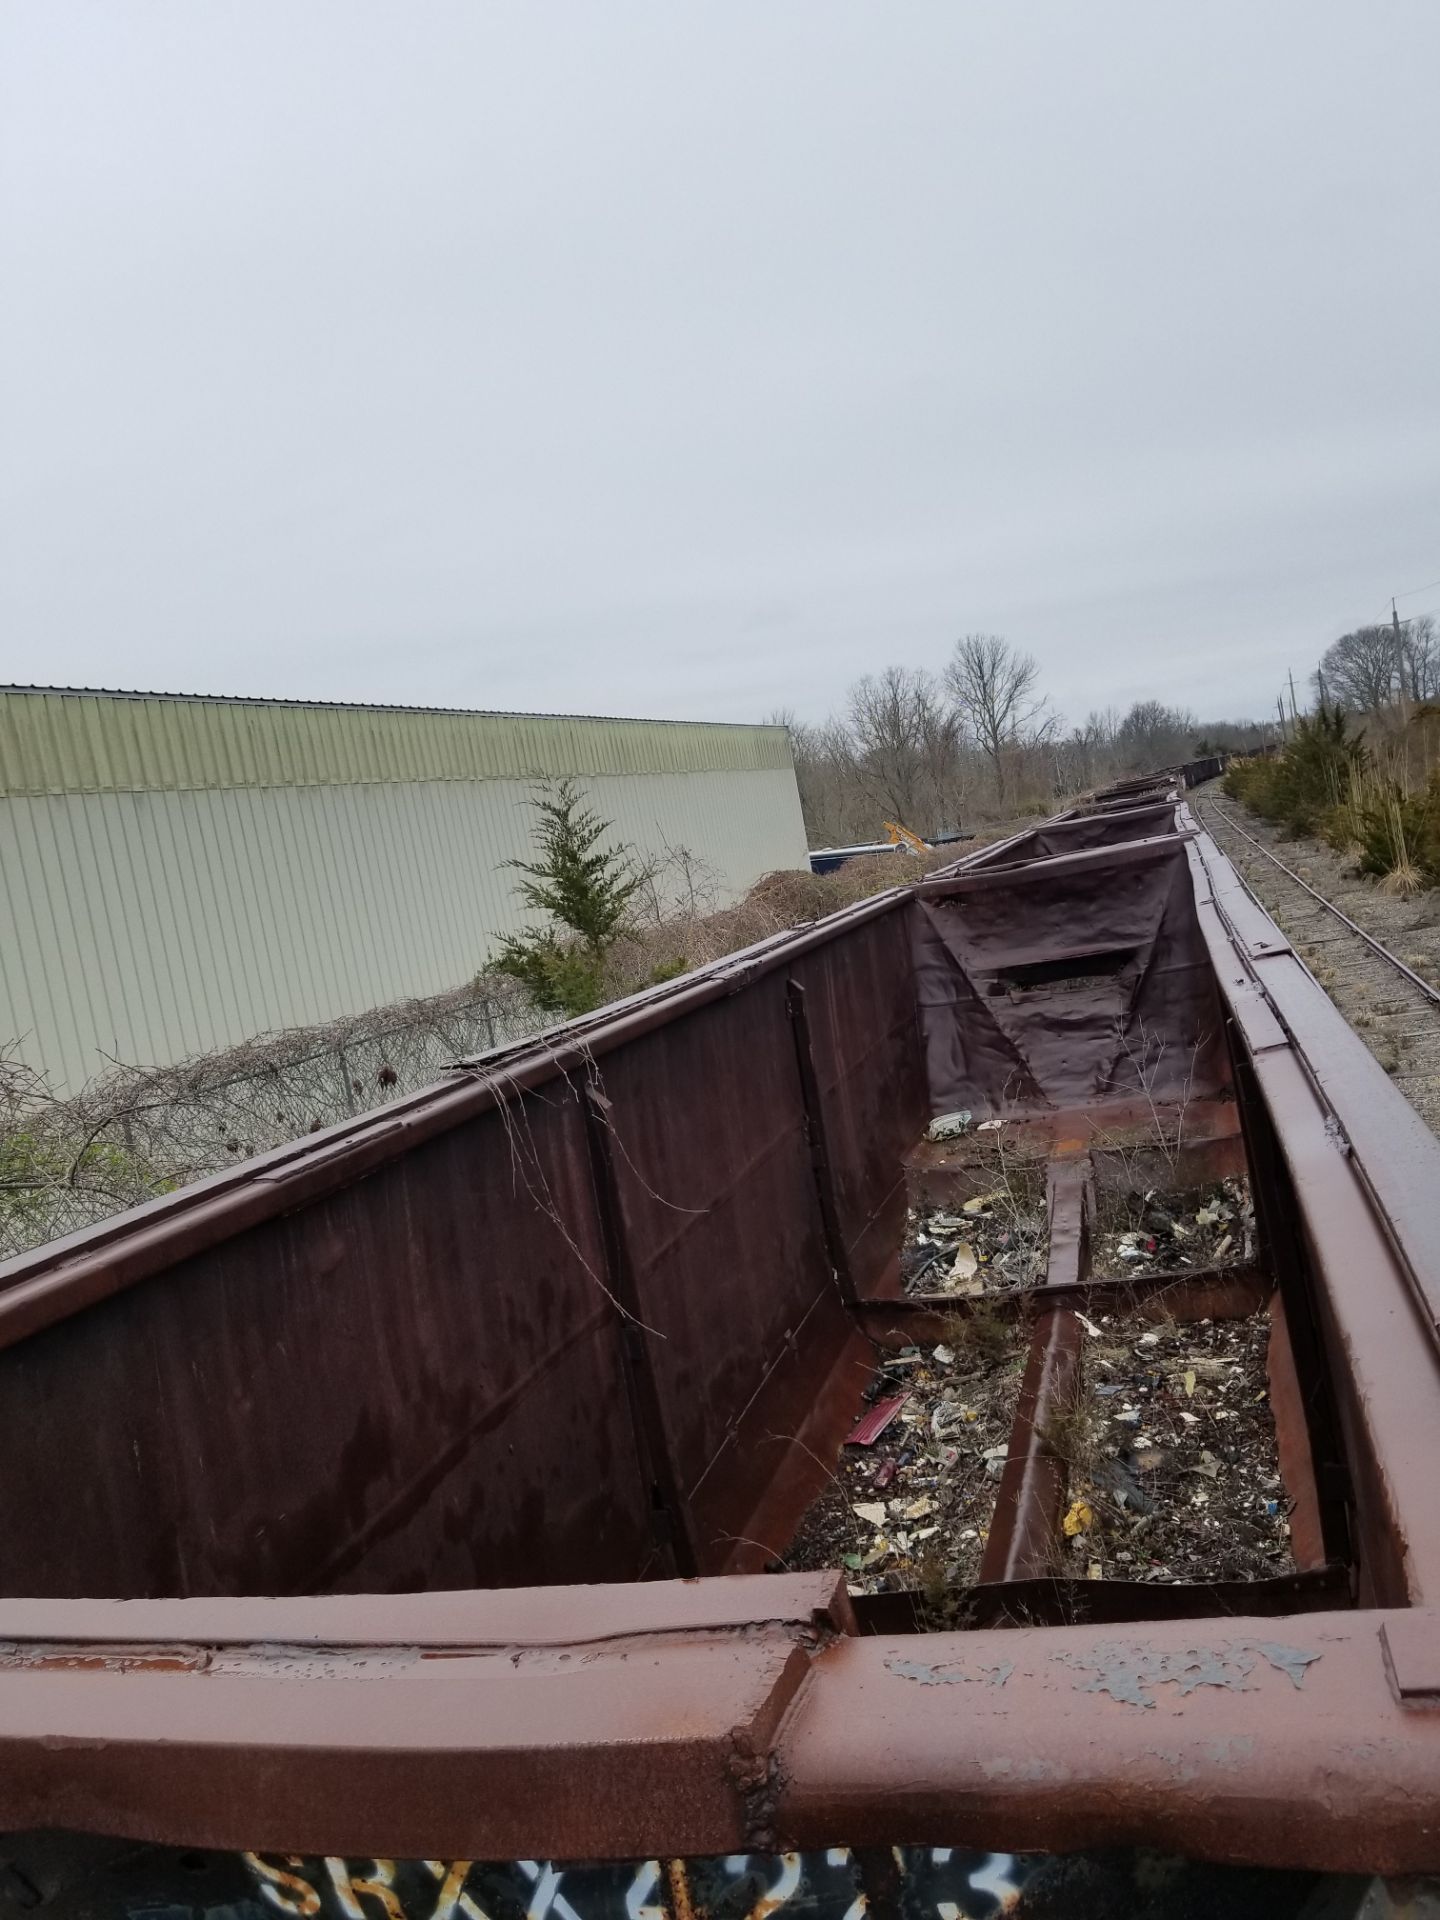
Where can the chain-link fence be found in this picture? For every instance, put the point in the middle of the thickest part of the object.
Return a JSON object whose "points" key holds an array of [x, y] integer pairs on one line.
{"points": [[138, 1132]]}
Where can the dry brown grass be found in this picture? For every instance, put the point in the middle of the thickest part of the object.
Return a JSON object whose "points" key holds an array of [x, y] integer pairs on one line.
{"points": [[776, 902], [1403, 880]]}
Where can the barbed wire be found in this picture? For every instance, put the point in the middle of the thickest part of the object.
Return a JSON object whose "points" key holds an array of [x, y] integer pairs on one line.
{"points": [[135, 1133]]}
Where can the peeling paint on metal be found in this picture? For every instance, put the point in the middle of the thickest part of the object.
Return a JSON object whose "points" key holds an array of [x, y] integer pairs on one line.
{"points": [[1291, 1660], [1126, 1672], [950, 1673]]}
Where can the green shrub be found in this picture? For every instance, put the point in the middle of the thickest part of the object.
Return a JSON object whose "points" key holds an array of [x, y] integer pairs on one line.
{"points": [[561, 976], [586, 889], [1300, 788], [1389, 828]]}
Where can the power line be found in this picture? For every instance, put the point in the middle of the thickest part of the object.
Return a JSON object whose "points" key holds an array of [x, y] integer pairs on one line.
{"points": [[1410, 591]]}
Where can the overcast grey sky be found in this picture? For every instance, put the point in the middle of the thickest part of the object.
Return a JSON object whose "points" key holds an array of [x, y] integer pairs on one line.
{"points": [[692, 359]]}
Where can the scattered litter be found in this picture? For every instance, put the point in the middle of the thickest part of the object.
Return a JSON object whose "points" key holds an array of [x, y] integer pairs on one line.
{"points": [[1079, 1519], [1005, 1246], [1089, 1326], [869, 1427], [965, 1265], [1205, 1228], [910, 1513], [949, 1126], [989, 1126], [997, 1210], [1182, 1475]]}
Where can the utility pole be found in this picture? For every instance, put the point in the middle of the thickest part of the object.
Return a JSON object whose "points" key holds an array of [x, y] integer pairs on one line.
{"points": [[1280, 709], [1294, 715], [1399, 658]]}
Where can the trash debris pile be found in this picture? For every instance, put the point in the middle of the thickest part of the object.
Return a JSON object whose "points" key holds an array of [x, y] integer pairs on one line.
{"points": [[954, 1126], [992, 1243], [1174, 1469], [910, 1503], [1157, 1232]]}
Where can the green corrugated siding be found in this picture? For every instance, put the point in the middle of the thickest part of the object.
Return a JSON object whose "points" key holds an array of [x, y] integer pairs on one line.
{"points": [[54, 742], [148, 926]]}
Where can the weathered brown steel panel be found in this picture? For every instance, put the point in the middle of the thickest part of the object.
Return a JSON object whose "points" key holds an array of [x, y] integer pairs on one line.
{"points": [[725, 1232], [1004, 1030], [400, 1357], [696, 1727], [1384, 1359], [1244, 1739], [388, 1389], [1084, 831], [860, 1002], [622, 1722], [1024, 1538]]}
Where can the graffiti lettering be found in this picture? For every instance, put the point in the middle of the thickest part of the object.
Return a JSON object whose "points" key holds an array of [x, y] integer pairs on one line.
{"points": [[452, 1897], [939, 1882], [292, 1893], [378, 1884]]}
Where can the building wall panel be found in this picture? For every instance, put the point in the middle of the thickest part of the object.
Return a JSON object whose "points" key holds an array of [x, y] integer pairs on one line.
{"points": [[147, 925]]}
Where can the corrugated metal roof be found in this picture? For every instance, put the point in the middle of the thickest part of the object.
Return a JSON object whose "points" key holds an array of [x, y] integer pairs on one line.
{"points": [[79, 740]]}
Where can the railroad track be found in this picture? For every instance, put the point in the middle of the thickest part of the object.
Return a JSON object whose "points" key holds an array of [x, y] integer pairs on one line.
{"points": [[1348, 934]]}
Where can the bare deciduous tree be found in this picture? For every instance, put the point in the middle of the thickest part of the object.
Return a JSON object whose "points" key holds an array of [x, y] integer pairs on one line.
{"points": [[905, 737], [1420, 658], [1153, 735], [977, 746], [1361, 670], [993, 687]]}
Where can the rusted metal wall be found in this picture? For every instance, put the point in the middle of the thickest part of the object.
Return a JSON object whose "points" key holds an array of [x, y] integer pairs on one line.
{"points": [[687, 1718], [724, 1231], [864, 1030], [411, 1382], [560, 1339], [1100, 830], [1069, 981]]}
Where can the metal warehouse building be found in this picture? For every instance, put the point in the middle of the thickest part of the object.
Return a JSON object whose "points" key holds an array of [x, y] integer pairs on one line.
{"points": [[183, 873]]}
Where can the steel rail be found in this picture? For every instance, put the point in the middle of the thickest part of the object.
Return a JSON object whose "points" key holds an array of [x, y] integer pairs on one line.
{"points": [[1330, 907]]}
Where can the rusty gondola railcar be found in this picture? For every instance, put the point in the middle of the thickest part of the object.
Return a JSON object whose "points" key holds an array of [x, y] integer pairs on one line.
{"points": [[397, 1523]]}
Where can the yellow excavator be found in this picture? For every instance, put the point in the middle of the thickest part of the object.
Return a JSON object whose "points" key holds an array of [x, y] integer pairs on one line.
{"points": [[899, 836]]}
